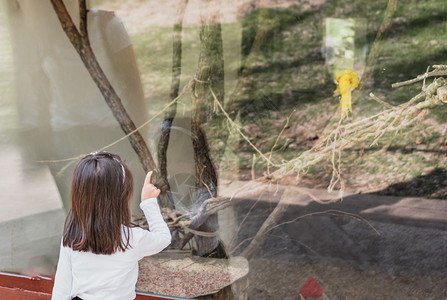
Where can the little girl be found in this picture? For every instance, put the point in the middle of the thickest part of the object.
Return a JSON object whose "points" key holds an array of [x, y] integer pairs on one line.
{"points": [[100, 248]]}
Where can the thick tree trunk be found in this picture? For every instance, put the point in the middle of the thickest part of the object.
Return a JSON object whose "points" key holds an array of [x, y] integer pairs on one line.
{"points": [[210, 73], [80, 41]]}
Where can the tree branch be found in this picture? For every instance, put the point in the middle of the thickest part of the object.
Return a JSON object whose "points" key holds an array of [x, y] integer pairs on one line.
{"points": [[437, 72], [82, 46], [83, 19], [67, 23], [170, 115], [268, 224]]}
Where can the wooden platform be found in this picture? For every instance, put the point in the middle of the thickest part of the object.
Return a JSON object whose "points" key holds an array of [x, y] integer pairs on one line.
{"points": [[181, 274]]}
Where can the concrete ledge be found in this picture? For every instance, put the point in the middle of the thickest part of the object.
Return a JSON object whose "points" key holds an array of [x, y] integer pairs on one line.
{"points": [[419, 212]]}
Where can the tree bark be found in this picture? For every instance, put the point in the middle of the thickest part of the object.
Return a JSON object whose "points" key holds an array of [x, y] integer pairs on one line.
{"points": [[163, 144], [210, 73], [80, 41]]}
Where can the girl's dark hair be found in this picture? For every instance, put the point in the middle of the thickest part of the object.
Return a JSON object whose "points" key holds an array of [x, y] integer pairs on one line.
{"points": [[101, 189]]}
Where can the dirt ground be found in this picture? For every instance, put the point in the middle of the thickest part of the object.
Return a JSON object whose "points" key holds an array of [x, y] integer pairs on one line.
{"points": [[338, 282], [346, 257]]}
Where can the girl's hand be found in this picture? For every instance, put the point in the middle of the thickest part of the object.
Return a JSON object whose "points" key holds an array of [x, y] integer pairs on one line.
{"points": [[149, 190]]}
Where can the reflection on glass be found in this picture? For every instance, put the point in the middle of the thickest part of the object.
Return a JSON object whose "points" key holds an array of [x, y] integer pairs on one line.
{"points": [[247, 136]]}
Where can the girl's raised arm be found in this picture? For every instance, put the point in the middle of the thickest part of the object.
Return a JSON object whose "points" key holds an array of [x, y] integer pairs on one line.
{"points": [[158, 237]]}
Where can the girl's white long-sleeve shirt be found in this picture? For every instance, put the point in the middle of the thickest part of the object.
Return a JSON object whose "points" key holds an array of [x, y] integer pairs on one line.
{"points": [[96, 276]]}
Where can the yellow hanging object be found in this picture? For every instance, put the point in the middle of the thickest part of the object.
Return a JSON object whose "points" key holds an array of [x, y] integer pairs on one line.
{"points": [[347, 81]]}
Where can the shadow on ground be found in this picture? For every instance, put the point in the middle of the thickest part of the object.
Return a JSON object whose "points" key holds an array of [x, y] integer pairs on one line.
{"points": [[432, 185], [382, 246]]}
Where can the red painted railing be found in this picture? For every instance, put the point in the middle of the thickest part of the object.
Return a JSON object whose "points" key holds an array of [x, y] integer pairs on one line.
{"points": [[20, 287]]}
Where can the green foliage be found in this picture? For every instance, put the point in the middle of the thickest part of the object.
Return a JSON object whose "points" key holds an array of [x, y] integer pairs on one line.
{"points": [[282, 69]]}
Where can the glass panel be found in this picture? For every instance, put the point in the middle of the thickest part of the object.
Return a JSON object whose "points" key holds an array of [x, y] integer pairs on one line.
{"points": [[289, 165]]}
